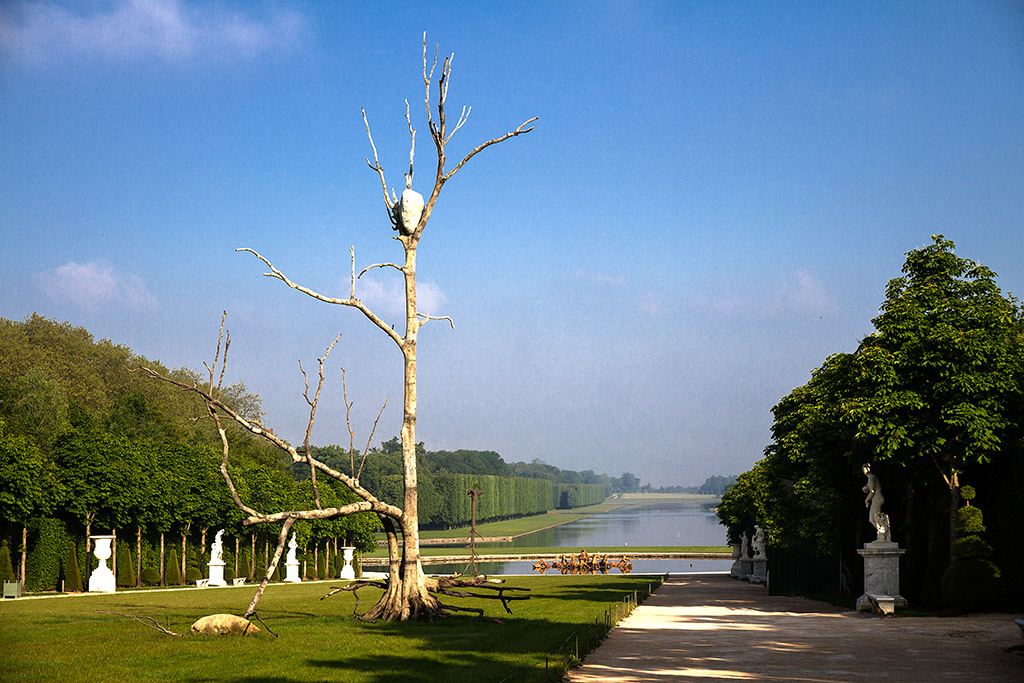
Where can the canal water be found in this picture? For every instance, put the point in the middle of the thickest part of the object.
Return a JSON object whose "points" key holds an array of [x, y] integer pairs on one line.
{"points": [[661, 524]]}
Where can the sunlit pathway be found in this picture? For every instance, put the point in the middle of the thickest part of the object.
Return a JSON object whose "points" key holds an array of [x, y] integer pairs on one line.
{"points": [[711, 627]]}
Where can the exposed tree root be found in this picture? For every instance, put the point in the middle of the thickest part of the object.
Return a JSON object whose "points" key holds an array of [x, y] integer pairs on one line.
{"points": [[435, 608]]}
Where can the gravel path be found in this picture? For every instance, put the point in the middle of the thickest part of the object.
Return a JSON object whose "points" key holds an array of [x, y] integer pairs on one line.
{"points": [[712, 628]]}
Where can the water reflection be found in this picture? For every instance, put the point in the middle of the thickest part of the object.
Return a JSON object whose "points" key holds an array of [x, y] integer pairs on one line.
{"points": [[657, 525]]}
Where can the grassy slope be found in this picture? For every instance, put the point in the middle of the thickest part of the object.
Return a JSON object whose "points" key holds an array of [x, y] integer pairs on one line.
{"points": [[64, 639]]}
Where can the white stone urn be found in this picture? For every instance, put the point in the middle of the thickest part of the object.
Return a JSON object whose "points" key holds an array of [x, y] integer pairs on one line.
{"points": [[348, 571], [102, 578]]}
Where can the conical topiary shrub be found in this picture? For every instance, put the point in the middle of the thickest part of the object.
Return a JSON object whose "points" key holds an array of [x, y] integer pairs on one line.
{"points": [[72, 575], [125, 566], [6, 570], [172, 568], [243, 563]]}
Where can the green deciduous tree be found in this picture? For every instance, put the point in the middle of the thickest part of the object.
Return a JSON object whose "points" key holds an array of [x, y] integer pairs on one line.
{"points": [[936, 381], [935, 391]]}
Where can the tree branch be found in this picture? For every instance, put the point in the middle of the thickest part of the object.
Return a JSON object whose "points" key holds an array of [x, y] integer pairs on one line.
{"points": [[352, 301], [145, 621], [437, 317], [380, 171], [479, 148]]}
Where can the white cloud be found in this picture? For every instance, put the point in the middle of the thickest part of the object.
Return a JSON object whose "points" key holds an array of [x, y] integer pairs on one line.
{"points": [[804, 293], [797, 294], [387, 298], [96, 285], [167, 29]]}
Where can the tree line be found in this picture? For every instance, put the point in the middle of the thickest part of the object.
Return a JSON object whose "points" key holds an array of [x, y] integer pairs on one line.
{"points": [[933, 400], [87, 447]]}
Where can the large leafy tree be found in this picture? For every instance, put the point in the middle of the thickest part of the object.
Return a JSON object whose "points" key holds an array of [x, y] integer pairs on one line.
{"points": [[936, 381], [935, 390]]}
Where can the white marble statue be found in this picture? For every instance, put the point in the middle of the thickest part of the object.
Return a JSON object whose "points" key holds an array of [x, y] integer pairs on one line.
{"points": [[873, 502], [758, 542], [745, 546], [292, 545], [217, 549]]}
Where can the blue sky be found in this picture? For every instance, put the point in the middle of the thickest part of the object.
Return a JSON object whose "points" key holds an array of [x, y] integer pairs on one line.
{"points": [[712, 201]]}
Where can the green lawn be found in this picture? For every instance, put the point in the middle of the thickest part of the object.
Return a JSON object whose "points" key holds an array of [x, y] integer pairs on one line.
{"points": [[65, 639]]}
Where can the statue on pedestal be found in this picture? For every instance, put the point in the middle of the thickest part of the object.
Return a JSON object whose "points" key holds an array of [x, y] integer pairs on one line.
{"points": [[292, 545], [873, 502], [759, 551], [217, 549], [292, 564]]}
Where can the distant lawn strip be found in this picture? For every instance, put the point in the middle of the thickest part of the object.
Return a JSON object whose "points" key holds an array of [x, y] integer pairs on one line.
{"points": [[509, 527], [64, 639]]}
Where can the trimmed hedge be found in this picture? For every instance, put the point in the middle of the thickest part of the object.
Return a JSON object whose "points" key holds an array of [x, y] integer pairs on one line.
{"points": [[47, 543]]}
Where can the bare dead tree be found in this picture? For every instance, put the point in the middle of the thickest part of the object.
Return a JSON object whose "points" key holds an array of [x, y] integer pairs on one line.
{"points": [[408, 592], [408, 596]]}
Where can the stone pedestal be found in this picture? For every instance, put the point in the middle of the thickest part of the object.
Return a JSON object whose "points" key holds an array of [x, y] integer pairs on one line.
{"points": [[102, 578], [734, 571], [292, 571], [216, 573], [348, 571], [759, 570], [881, 576], [746, 567]]}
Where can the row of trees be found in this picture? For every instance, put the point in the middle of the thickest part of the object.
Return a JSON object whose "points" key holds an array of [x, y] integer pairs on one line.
{"points": [[934, 400], [86, 442]]}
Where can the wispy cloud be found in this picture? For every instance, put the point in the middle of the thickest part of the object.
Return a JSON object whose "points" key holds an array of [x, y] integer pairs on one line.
{"points": [[166, 29], [387, 298], [96, 285], [798, 294]]}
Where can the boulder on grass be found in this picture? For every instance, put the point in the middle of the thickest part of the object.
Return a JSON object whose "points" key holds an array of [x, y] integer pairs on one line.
{"points": [[224, 625]]}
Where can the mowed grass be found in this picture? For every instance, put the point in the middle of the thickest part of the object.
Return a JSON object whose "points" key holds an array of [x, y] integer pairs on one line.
{"points": [[66, 639]]}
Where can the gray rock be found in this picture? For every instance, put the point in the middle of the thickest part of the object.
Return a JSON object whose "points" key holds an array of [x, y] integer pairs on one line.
{"points": [[224, 625]]}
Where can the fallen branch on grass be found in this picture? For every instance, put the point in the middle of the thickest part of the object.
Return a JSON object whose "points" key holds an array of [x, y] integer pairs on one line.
{"points": [[145, 621]]}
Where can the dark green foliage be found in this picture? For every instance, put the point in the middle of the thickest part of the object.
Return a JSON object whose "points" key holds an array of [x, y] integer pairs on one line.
{"points": [[969, 521], [243, 563], [192, 574], [150, 576], [47, 542], [321, 566], [72, 575], [229, 572], [172, 568], [260, 568], [716, 485], [972, 581], [125, 565], [972, 584], [6, 571], [971, 547]]}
